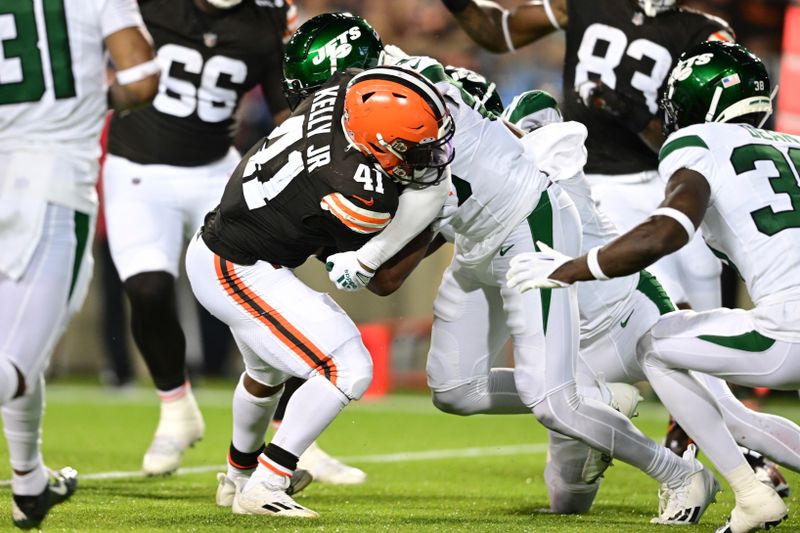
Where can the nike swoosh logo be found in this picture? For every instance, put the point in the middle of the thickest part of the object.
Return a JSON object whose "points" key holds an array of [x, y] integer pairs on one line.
{"points": [[504, 251], [625, 322], [368, 203], [59, 488]]}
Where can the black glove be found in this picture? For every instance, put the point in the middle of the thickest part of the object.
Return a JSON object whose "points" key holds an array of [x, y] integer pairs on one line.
{"points": [[598, 96]]}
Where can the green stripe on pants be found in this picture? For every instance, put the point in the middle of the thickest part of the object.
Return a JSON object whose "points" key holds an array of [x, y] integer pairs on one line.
{"points": [[752, 341], [540, 221], [82, 239]]}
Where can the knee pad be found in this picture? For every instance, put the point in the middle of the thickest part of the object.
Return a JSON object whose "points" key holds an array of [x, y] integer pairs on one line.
{"points": [[463, 400], [354, 366]]}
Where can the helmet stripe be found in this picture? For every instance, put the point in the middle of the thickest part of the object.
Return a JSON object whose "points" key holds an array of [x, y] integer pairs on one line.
{"points": [[411, 80]]}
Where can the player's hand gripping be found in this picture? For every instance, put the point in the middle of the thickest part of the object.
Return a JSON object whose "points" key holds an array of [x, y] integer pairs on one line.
{"points": [[532, 270], [347, 272], [598, 96]]}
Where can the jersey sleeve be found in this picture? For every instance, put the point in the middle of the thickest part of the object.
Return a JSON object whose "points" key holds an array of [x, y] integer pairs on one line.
{"points": [[273, 64], [356, 218], [117, 15], [714, 29], [688, 149]]}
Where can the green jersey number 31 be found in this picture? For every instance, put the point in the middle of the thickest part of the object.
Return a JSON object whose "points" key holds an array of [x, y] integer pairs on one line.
{"points": [[21, 69]]}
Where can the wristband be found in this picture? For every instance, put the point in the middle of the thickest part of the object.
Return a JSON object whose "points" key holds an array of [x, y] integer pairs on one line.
{"points": [[679, 217], [594, 264], [138, 72], [456, 6]]}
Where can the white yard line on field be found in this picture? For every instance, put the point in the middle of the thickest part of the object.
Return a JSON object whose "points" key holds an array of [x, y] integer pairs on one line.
{"points": [[401, 457]]}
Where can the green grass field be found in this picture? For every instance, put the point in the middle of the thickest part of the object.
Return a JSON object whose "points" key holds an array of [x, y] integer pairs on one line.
{"points": [[427, 472]]}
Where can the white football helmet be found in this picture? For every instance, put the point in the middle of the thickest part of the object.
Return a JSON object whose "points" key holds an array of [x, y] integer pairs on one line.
{"points": [[224, 4], [652, 8]]}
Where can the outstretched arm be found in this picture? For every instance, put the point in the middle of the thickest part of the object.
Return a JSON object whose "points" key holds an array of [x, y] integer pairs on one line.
{"points": [[688, 193], [500, 30]]}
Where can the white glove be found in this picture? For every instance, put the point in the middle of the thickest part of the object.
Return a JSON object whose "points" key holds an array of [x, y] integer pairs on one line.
{"points": [[347, 272], [532, 270]]}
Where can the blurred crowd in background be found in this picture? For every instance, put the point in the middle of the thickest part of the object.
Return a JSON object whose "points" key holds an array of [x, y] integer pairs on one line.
{"points": [[99, 340]]}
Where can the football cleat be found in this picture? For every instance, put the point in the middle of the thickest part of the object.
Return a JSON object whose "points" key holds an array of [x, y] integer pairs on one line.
{"points": [[268, 497], [29, 511], [760, 509], [676, 439], [327, 469], [767, 472], [625, 399], [686, 503], [180, 426], [228, 484]]}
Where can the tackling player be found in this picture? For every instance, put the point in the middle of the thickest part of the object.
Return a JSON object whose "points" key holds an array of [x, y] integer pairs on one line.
{"points": [[618, 55], [329, 179], [491, 217], [166, 167], [740, 184], [53, 98]]}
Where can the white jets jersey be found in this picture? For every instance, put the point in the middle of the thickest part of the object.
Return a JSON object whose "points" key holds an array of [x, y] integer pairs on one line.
{"points": [[53, 74], [753, 216], [497, 180]]}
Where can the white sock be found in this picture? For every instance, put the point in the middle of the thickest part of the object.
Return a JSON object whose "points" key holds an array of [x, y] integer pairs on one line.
{"points": [[251, 417], [742, 480], [310, 410], [30, 484], [22, 419]]}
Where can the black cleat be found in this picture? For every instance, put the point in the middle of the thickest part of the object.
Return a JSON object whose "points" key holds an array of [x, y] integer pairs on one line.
{"points": [[300, 480], [29, 511]]}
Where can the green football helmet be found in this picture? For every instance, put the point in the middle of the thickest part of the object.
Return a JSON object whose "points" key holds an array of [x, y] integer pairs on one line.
{"points": [[717, 82], [324, 45]]}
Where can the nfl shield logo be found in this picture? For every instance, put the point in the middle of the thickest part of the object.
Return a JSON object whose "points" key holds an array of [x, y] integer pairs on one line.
{"points": [[210, 40]]}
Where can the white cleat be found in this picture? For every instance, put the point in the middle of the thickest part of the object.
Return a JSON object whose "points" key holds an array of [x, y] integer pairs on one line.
{"points": [[761, 509], [226, 490], [228, 484], [180, 426], [685, 504], [625, 399], [327, 469], [268, 497]]}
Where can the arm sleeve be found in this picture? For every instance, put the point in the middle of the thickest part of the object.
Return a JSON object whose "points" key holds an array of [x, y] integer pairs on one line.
{"points": [[273, 71], [416, 210], [117, 15]]}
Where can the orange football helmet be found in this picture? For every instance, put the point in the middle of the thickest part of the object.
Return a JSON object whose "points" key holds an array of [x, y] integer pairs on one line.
{"points": [[398, 118]]}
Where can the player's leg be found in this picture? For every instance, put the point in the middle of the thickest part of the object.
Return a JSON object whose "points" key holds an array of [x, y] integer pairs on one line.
{"points": [[57, 275], [469, 332], [545, 376], [294, 330], [693, 339], [770, 435], [760, 435], [317, 462], [145, 234]]}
